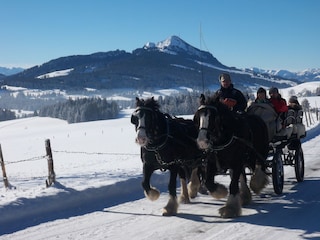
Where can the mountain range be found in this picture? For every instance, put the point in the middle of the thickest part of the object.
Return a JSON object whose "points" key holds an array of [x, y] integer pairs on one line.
{"points": [[121, 76], [5, 71], [167, 64], [308, 75]]}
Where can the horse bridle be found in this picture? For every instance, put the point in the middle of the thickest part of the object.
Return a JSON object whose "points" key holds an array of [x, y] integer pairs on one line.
{"points": [[166, 134], [206, 107], [135, 114], [212, 146]]}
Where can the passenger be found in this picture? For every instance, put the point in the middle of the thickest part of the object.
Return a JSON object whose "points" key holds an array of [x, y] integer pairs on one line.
{"points": [[280, 106], [279, 103], [229, 95], [261, 96], [264, 109], [294, 104], [295, 115]]}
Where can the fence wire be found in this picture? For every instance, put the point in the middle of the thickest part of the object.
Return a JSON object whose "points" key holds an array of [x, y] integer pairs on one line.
{"points": [[95, 153], [28, 159], [70, 152]]}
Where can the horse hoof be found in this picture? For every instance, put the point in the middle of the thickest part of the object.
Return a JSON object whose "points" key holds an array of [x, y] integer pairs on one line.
{"points": [[232, 208], [246, 198], [167, 213], [203, 190], [220, 192], [171, 208], [229, 212], [259, 180], [153, 194], [183, 199], [192, 190]]}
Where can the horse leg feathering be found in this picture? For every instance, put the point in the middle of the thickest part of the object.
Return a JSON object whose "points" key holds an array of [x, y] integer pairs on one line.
{"points": [[194, 184], [245, 193], [172, 206], [232, 208], [258, 180], [184, 196]]}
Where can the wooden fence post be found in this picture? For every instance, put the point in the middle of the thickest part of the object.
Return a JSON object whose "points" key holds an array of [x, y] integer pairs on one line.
{"points": [[306, 117], [51, 176], [5, 179]]}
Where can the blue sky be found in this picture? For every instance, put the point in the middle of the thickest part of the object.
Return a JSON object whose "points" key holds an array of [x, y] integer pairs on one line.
{"points": [[269, 34]]}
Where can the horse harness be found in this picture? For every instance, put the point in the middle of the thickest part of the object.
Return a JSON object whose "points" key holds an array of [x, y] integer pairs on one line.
{"points": [[232, 139], [157, 148]]}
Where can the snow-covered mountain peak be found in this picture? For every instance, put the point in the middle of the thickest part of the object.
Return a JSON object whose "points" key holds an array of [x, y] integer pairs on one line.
{"points": [[173, 42], [173, 45]]}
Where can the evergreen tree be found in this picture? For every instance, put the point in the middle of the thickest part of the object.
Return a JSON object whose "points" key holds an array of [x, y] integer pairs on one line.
{"points": [[6, 114], [81, 110]]}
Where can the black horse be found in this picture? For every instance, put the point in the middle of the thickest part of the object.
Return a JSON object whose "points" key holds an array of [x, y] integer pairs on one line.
{"points": [[167, 143], [235, 141]]}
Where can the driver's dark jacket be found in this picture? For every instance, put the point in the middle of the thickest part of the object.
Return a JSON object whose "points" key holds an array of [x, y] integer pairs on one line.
{"points": [[233, 93]]}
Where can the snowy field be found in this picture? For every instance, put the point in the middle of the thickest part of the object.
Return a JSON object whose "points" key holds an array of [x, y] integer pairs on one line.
{"points": [[98, 195]]}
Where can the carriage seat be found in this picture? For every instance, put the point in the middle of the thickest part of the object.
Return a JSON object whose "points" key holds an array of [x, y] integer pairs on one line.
{"points": [[284, 132], [267, 114], [293, 122], [272, 120], [299, 130], [293, 125]]}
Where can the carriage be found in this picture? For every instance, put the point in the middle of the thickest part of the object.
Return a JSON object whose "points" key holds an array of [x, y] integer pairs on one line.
{"points": [[224, 141], [285, 152], [285, 145]]}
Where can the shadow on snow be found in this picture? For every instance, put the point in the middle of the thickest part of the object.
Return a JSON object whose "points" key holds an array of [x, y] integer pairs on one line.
{"points": [[27, 212]]}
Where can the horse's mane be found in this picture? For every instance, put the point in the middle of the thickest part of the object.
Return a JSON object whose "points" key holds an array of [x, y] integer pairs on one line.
{"points": [[213, 101], [227, 116], [149, 103], [210, 100]]}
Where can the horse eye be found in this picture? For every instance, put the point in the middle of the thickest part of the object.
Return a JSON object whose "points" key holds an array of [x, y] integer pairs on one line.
{"points": [[134, 119]]}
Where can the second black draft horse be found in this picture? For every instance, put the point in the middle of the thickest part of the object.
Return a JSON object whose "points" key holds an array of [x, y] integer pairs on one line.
{"points": [[235, 141], [167, 143]]}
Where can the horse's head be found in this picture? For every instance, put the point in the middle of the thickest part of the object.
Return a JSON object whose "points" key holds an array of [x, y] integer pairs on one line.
{"points": [[209, 119], [146, 120]]}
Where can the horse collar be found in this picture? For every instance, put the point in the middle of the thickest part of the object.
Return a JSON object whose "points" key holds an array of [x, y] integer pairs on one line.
{"points": [[231, 141], [224, 146]]}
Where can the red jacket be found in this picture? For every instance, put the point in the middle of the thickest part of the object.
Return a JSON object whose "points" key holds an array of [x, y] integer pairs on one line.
{"points": [[279, 104]]}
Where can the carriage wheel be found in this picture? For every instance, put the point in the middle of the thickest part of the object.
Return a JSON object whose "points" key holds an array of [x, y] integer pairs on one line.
{"points": [[277, 172], [299, 164]]}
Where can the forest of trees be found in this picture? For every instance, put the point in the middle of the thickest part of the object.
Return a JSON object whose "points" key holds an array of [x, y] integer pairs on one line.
{"points": [[81, 110], [182, 104], [179, 104], [98, 108], [6, 114]]}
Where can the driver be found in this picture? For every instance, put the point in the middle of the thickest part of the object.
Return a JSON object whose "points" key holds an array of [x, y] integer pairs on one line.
{"points": [[229, 95]]}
